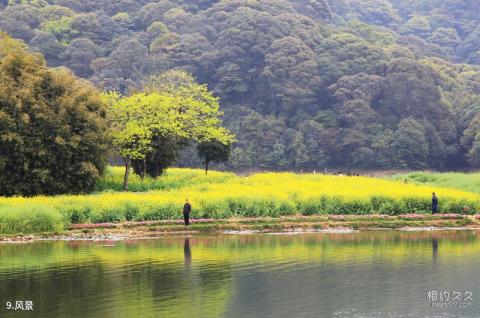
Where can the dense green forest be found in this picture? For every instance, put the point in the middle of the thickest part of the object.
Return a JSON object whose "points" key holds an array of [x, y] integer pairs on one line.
{"points": [[304, 84]]}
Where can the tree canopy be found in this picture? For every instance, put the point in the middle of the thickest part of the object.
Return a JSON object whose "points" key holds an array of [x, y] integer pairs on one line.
{"points": [[151, 126], [52, 126], [303, 84]]}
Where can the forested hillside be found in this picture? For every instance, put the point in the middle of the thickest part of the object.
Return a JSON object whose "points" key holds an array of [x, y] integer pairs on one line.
{"points": [[304, 84]]}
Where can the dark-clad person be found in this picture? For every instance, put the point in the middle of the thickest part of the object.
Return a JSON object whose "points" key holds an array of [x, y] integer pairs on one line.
{"points": [[434, 203], [187, 209]]}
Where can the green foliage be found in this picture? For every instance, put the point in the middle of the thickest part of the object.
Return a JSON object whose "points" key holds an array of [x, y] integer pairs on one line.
{"points": [[418, 24], [304, 84], [195, 117], [410, 142], [375, 35], [61, 28], [148, 127], [213, 150], [172, 179], [456, 180], [30, 219], [122, 18], [157, 28], [134, 119], [52, 127], [445, 37], [55, 12]]}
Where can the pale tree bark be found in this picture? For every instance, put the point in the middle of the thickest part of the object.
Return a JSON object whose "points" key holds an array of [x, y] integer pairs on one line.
{"points": [[127, 173]]}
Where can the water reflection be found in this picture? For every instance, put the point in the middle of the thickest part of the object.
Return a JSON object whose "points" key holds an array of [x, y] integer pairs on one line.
{"points": [[434, 250], [372, 274], [187, 253]]}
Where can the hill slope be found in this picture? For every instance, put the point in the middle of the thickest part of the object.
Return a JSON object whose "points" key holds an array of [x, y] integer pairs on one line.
{"points": [[305, 84]]}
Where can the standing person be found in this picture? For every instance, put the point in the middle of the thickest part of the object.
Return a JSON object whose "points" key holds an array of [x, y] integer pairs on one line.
{"points": [[434, 203], [187, 208]]}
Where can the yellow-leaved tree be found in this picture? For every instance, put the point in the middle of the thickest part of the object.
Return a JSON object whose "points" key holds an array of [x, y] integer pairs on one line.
{"points": [[150, 126]]}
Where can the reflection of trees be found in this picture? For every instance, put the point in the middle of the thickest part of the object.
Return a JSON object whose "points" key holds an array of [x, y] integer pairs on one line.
{"points": [[61, 291], [235, 249], [174, 278], [129, 280]]}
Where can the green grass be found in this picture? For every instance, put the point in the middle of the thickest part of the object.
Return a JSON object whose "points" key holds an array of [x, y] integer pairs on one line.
{"points": [[171, 179], [30, 219], [463, 181]]}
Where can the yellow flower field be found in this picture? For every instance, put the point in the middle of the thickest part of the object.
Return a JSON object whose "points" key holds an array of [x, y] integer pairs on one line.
{"points": [[223, 195]]}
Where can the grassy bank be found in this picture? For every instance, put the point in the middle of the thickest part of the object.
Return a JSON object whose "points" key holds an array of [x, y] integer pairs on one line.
{"points": [[461, 181], [225, 195], [286, 224]]}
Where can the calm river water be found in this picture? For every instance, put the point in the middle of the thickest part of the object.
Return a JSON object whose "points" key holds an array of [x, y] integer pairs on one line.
{"points": [[368, 274]]}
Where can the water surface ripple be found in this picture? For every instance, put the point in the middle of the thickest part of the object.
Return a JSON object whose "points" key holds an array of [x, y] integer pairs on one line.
{"points": [[366, 274]]}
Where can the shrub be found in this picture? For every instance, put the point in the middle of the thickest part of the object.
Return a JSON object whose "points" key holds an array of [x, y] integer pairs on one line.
{"points": [[459, 206], [287, 208], [30, 219], [313, 206], [76, 214], [415, 205], [160, 212], [131, 212], [59, 128], [108, 215]]}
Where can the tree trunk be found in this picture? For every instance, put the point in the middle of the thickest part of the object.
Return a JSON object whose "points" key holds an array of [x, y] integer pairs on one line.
{"points": [[143, 172], [127, 172], [206, 166]]}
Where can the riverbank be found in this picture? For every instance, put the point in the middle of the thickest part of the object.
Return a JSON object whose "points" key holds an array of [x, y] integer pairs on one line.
{"points": [[291, 224]]}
